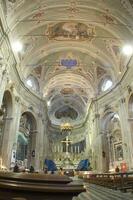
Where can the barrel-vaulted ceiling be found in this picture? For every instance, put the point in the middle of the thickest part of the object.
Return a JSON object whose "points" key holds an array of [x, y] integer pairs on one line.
{"points": [[70, 46]]}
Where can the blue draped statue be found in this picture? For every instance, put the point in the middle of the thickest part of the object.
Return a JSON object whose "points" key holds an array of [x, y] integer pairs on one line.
{"points": [[83, 165], [51, 166]]}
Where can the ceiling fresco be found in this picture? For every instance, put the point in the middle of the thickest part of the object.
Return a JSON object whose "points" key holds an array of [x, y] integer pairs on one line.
{"points": [[70, 47], [66, 111], [70, 31]]}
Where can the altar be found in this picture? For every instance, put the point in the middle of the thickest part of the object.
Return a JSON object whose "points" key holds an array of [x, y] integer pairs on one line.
{"points": [[65, 158]]}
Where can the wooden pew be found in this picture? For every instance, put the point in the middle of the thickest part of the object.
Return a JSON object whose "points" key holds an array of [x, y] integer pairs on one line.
{"points": [[121, 181]]}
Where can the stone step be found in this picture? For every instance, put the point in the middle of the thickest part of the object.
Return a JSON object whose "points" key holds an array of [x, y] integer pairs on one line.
{"points": [[95, 192], [107, 195], [103, 196]]}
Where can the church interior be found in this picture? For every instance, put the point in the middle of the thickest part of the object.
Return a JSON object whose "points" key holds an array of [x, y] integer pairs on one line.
{"points": [[66, 86]]}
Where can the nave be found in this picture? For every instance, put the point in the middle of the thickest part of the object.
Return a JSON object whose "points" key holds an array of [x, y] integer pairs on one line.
{"points": [[66, 94]]}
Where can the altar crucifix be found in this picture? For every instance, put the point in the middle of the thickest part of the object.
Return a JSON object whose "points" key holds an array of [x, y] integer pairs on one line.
{"points": [[67, 142]]}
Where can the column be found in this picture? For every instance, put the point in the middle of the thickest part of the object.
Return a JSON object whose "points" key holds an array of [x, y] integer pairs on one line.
{"points": [[126, 134], [10, 133], [3, 82]]}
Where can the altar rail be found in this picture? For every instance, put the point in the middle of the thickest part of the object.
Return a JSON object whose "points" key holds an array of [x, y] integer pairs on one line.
{"points": [[117, 181]]}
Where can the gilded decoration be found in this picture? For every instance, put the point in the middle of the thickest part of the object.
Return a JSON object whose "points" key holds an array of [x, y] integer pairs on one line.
{"points": [[67, 91], [70, 31], [73, 8]]}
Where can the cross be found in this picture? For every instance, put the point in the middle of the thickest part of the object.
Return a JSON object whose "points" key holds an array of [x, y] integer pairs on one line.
{"points": [[67, 141]]}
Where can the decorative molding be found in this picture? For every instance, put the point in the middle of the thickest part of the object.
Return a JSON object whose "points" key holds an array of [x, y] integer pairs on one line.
{"points": [[17, 98], [8, 118], [31, 108], [129, 89]]}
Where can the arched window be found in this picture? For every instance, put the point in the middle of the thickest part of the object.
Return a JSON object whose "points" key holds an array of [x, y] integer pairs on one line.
{"points": [[112, 140], [32, 83], [105, 84]]}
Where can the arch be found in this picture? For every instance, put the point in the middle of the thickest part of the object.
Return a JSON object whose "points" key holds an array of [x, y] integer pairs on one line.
{"points": [[111, 140], [7, 101], [26, 141], [130, 106], [130, 114], [32, 117], [5, 123]]}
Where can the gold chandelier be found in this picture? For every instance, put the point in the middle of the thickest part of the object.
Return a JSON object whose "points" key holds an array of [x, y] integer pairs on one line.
{"points": [[66, 127]]}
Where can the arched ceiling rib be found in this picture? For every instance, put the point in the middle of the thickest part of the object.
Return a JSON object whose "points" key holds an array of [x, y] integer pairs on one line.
{"points": [[108, 26]]}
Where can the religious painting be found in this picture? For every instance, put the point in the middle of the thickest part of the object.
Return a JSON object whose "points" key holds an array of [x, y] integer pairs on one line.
{"points": [[66, 91], [69, 63], [26, 124], [70, 31], [118, 151], [66, 111]]}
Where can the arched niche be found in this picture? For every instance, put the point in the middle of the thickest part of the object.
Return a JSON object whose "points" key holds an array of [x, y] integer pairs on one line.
{"points": [[5, 119], [130, 107], [26, 140], [112, 149]]}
